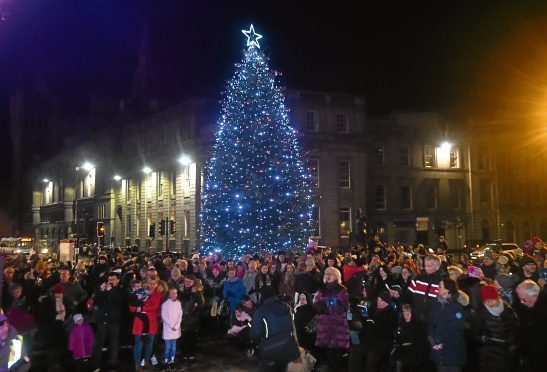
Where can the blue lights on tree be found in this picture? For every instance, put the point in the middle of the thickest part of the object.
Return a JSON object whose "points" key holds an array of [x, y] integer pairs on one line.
{"points": [[257, 193]]}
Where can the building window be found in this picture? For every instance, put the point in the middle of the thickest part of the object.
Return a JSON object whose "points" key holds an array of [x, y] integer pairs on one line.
{"points": [[405, 155], [159, 184], [456, 196], [380, 197], [138, 222], [510, 235], [484, 192], [431, 197], [455, 157], [483, 162], [345, 222], [379, 154], [313, 166], [429, 156], [316, 227], [342, 123], [344, 174], [138, 189], [101, 211], [128, 190], [173, 184], [128, 225], [406, 197], [311, 121]]}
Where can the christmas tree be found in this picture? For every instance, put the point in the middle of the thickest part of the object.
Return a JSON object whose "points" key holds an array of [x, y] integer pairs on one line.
{"points": [[257, 193]]}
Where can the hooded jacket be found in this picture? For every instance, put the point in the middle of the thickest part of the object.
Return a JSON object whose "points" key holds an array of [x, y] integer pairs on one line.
{"points": [[171, 315]]}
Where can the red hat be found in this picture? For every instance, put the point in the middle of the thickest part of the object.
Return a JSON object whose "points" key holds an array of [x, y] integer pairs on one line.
{"points": [[489, 292], [58, 288]]}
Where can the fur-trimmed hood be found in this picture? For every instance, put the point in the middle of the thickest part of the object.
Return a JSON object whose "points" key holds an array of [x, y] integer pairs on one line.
{"points": [[462, 298]]}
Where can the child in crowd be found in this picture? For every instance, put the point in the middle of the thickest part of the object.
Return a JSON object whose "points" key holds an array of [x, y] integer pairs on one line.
{"points": [[81, 339], [241, 325], [171, 315], [137, 296]]}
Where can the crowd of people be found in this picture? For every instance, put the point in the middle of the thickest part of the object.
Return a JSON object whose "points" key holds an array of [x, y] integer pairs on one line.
{"points": [[373, 307]]}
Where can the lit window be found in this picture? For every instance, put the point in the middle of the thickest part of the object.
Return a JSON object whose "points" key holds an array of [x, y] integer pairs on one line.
{"points": [[455, 157], [345, 222], [429, 156]]}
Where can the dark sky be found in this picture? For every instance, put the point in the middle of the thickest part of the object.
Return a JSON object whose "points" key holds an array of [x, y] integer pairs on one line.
{"points": [[480, 57]]}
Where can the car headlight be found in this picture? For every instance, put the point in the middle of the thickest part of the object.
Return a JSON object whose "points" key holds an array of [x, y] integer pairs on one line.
{"points": [[45, 250], [17, 251]]}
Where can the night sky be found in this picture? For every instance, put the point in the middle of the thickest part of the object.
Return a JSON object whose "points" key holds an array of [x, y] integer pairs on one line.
{"points": [[486, 59]]}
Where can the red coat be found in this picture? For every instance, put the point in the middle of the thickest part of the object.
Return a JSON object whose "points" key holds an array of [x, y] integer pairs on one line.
{"points": [[151, 308]]}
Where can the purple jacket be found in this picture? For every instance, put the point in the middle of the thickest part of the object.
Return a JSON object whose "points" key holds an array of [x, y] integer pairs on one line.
{"points": [[81, 341], [331, 303]]}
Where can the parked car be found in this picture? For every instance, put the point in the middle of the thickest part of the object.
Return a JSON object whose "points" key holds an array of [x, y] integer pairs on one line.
{"points": [[498, 248]]}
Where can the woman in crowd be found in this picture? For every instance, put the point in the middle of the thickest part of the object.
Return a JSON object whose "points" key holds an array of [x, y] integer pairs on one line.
{"points": [[495, 326], [192, 302], [263, 279], [446, 329], [150, 308], [286, 283], [331, 303]]}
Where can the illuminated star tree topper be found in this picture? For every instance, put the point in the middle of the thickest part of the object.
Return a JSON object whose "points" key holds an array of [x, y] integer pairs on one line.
{"points": [[257, 194], [252, 37]]}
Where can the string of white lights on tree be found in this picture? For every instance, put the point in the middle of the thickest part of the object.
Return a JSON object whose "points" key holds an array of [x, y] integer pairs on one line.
{"points": [[257, 193]]}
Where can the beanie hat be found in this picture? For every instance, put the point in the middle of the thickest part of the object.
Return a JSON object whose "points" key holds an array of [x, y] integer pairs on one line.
{"points": [[489, 292], [505, 281], [503, 260], [527, 259], [77, 317], [332, 256], [58, 288], [385, 296], [475, 272], [488, 253]]}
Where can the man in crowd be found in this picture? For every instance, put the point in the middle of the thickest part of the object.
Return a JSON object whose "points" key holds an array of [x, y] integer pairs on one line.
{"points": [[532, 313], [108, 301], [424, 289]]}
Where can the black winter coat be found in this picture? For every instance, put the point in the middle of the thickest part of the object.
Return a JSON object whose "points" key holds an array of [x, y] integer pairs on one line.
{"points": [[497, 336]]}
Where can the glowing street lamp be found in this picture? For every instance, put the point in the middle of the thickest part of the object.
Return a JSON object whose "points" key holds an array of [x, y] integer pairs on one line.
{"points": [[147, 170], [45, 180], [117, 177], [185, 160], [88, 166]]}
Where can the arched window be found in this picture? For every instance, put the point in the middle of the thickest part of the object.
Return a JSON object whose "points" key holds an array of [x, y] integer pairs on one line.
{"points": [[510, 234], [526, 231], [119, 212], [485, 227]]}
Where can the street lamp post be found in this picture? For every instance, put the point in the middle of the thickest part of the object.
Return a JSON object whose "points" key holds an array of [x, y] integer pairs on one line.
{"points": [[76, 219]]}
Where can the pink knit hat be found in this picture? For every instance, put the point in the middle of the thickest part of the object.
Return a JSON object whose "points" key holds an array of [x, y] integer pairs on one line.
{"points": [[475, 272]]}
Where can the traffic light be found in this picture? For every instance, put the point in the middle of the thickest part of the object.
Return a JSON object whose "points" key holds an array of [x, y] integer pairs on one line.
{"points": [[100, 229], [162, 227], [172, 228], [152, 230]]}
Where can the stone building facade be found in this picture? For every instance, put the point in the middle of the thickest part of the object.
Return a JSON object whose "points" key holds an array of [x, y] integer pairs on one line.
{"points": [[414, 176]]}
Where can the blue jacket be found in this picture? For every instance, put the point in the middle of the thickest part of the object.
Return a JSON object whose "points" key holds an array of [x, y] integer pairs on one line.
{"points": [[272, 318], [446, 327], [232, 292]]}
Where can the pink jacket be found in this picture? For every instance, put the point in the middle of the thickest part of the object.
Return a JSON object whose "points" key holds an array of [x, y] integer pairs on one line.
{"points": [[81, 341]]}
